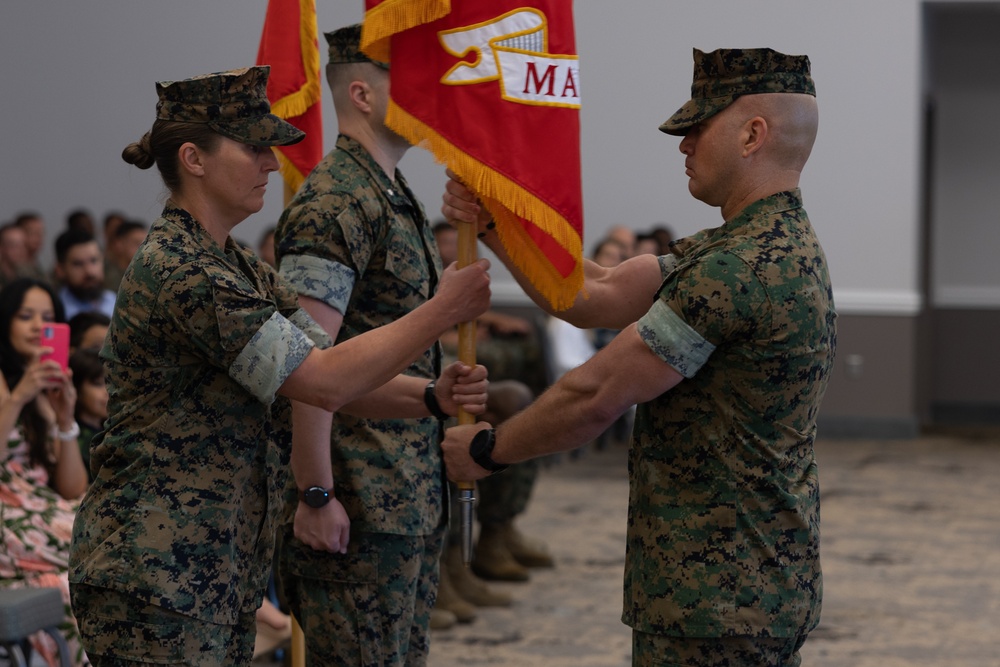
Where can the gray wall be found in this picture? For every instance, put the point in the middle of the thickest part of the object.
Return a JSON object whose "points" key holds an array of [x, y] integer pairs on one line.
{"points": [[78, 81]]}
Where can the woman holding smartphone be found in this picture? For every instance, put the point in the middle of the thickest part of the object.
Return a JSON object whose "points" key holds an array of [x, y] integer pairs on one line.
{"points": [[42, 474]]}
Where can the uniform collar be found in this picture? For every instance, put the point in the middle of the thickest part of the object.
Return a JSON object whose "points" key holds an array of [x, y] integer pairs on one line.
{"points": [[176, 215], [768, 206], [398, 191]]}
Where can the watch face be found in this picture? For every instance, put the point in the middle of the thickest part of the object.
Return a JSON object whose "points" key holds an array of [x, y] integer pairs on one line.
{"points": [[482, 443], [316, 496], [481, 450]]}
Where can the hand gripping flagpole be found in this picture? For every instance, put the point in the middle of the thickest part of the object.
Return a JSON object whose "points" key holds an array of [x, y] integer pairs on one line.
{"points": [[467, 251]]}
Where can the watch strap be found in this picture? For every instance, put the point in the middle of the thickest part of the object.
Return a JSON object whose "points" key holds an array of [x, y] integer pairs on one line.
{"points": [[483, 454], [431, 401]]}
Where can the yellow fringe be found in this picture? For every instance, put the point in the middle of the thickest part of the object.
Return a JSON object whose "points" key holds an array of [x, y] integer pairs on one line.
{"points": [[296, 104], [392, 16], [506, 201], [292, 176]]}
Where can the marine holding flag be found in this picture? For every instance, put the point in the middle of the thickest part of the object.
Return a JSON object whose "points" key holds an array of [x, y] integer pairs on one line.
{"points": [[727, 345], [364, 531]]}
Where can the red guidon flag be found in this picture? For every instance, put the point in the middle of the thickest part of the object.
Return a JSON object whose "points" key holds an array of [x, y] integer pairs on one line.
{"points": [[493, 90], [289, 45]]}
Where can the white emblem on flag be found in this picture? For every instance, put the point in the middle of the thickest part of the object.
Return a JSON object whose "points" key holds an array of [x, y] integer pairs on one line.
{"points": [[513, 48]]}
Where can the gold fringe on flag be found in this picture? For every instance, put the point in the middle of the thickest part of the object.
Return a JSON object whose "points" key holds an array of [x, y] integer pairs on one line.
{"points": [[296, 104], [289, 172], [392, 16], [506, 201]]}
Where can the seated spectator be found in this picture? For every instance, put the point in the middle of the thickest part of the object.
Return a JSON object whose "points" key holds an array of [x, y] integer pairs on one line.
{"points": [[34, 238], [111, 222], [87, 331], [128, 236], [625, 236], [81, 219], [91, 399], [646, 244], [664, 237], [80, 271], [13, 253], [41, 475]]}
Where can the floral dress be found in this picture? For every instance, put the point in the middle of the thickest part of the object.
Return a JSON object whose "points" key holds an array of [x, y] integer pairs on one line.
{"points": [[36, 525]]}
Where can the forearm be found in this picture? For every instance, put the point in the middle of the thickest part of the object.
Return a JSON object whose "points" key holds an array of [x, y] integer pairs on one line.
{"points": [[311, 463], [69, 478], [400, 398], [569, 414], [9, 412], [336, 376]]}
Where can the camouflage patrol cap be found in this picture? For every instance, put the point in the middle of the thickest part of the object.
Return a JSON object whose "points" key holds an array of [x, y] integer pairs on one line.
{"points": [[726, 74], [345, 47], [232, 103]]}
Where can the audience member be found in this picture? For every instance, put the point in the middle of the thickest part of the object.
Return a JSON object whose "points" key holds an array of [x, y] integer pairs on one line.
{"points": [[609, 252], [34, 239], [80, 271], [128, 236], [42, 474], [646, 244], [664, 237], [205, 348], [87, 330], [81, 219], [112, 220], [13, 253], [625, 236], [91, 399]]}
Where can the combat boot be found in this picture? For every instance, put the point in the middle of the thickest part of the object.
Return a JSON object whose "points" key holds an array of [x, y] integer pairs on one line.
{"points": [[449, 599], [492, 560], [527, 551], [442, 619], [468, 586]]}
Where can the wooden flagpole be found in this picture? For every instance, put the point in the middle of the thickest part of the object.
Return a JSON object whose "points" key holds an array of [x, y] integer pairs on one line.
{"points": [[467, 254]]}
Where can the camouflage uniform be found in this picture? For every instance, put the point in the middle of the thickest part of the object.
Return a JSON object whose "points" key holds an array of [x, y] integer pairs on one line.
{"points": [[173, 544], [190, 469], [723, 529], [361, 243]]}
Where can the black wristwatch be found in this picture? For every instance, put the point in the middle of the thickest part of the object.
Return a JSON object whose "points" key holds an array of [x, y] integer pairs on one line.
{"points": [[481, 450], [316, 496]]}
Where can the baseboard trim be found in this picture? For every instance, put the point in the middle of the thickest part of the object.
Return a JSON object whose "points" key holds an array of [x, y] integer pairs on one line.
{"points": [[965, 414], [885, 428]]}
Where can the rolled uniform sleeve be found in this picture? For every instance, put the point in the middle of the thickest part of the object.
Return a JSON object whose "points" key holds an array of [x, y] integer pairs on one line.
{"points": [[700, 306], [319, 278], [277, 349], [673, 341]]}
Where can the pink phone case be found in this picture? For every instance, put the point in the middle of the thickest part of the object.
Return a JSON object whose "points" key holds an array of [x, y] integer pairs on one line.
{"points": [[56, 336]]}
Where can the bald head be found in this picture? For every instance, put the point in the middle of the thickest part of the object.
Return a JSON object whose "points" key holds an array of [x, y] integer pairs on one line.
{"points": [[792, 122]]}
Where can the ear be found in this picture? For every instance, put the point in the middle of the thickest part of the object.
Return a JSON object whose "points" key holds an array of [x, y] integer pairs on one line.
{"points": [[361, 95], [190, 159], [754, 135]]}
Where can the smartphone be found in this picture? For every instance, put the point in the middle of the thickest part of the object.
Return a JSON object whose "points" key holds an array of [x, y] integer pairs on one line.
{"points": [[56, 336]]}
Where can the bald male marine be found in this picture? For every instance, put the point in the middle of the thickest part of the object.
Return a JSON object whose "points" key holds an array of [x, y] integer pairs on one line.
{"points": [[726, 346]]}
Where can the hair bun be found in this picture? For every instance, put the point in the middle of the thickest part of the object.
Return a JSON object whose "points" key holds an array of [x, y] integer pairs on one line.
{"points": [[139, 153]]}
